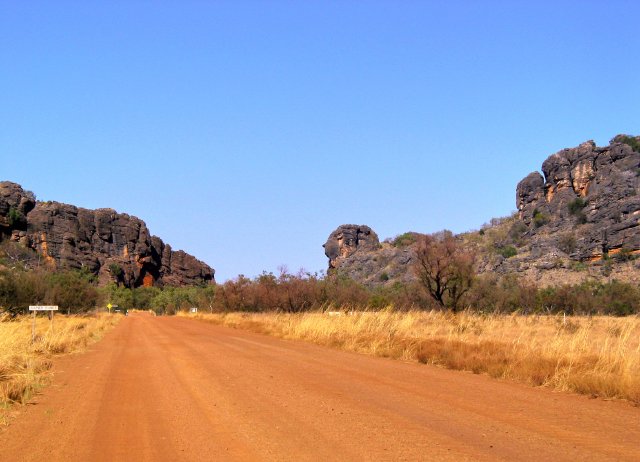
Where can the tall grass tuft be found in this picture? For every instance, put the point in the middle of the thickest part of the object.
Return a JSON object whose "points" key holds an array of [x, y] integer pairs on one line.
{"points": [[24, 366]]}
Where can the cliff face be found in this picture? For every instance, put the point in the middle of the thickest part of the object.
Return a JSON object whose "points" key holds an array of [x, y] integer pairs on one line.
{"points": [[112, 245], [589, 191], [580, 218]]}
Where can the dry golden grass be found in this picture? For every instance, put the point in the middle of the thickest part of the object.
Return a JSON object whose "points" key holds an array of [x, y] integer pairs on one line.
{"points": [[24, 365], [599, 356]]}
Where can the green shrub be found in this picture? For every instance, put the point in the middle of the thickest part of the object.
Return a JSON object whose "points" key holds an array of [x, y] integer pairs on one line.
{"points": [[517, 231], [539, 218], [507, 251], [384, 277], [625, 254], [576, 205], [578, 266], [629, 141], [115, 270], [142, 297], [567, 243], [404, 240], [619, 308], [73, 291], [15, 217]]}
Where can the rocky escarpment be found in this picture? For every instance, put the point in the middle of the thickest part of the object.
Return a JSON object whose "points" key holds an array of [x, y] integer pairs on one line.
{"points": [[590, 192], [577, 219], [114, 246], [15, 204]]}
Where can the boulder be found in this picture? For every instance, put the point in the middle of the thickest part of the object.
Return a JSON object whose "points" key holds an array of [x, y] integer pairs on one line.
{"points": [[346, 240]]}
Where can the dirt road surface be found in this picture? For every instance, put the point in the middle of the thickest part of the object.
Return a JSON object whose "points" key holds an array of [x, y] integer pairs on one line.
{"points": [[173, 389]]}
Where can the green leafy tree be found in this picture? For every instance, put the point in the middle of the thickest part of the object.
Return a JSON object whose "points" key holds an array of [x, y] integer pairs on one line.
{"points": [[206, 297]]}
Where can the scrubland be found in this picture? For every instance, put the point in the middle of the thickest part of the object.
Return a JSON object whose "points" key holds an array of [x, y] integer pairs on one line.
{"points": [[597, 355], [24, 366]]}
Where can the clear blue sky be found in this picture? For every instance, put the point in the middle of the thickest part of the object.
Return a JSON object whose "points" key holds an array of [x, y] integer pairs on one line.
{"points": [[245, 132]]}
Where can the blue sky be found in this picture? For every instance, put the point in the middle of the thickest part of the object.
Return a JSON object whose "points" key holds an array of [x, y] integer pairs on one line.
{"points": [[245, 132]]}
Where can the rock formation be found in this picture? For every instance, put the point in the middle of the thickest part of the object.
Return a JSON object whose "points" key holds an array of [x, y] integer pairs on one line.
{"points": [[15, 204], [589, 191], [582, 210], [355, 251], [347, 240], [114, 246]]}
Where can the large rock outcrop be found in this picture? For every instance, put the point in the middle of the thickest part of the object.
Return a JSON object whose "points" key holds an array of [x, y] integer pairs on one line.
{"points": [[355, 251], [346, 240], [578, 219], [15, 204], [589, 191], [114, 246]]}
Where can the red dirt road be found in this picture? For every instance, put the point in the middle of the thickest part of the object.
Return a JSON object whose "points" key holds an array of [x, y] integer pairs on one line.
{"points": [[173, 389]]}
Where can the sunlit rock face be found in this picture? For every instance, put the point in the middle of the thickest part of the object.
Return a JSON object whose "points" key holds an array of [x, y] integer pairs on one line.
{"points": [[589, 190], [347, 240], [356, 252], [583, 207], [114, 246]]}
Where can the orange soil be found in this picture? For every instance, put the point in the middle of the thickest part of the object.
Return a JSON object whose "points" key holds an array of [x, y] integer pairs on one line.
{"points": [[168, 388]]}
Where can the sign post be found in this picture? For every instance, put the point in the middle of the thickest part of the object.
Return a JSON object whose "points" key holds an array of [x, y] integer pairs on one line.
{"points": [[35, 309]]}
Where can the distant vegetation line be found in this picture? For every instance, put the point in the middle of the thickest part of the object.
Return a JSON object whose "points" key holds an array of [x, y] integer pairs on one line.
{"points": [[78, 292], [445, 279]]}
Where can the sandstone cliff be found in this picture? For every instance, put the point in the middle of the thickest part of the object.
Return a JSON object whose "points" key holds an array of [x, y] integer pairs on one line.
{"points": [[589, 191], [114, 246], [579, 218]]}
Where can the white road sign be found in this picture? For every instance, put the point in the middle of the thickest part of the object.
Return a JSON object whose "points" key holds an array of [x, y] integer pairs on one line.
{"points": [[43, 308]]}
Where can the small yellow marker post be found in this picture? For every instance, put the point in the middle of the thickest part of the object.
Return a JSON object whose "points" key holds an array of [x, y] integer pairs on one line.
{"points": [[109, 306]]}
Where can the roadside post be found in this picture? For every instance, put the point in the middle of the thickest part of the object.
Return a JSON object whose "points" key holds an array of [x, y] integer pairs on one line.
{"points": [[35, 309], [109, 306]]}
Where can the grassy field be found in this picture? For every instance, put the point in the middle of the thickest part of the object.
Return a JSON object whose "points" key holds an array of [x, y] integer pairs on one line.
{"points": [[598, 356], [24, 366]]}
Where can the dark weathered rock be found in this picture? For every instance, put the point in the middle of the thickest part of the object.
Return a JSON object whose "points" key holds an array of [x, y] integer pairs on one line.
{"points": [[15, 204], [346, 240], [115, 246], [585, 206], [356, 252], [591, 191], [185, 269], [528, 192]]}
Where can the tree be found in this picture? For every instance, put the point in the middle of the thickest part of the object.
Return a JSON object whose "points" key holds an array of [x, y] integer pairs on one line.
{"points": [[15, 255], [74, 291], [116, 272], [444, 268], [207, 296]]}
